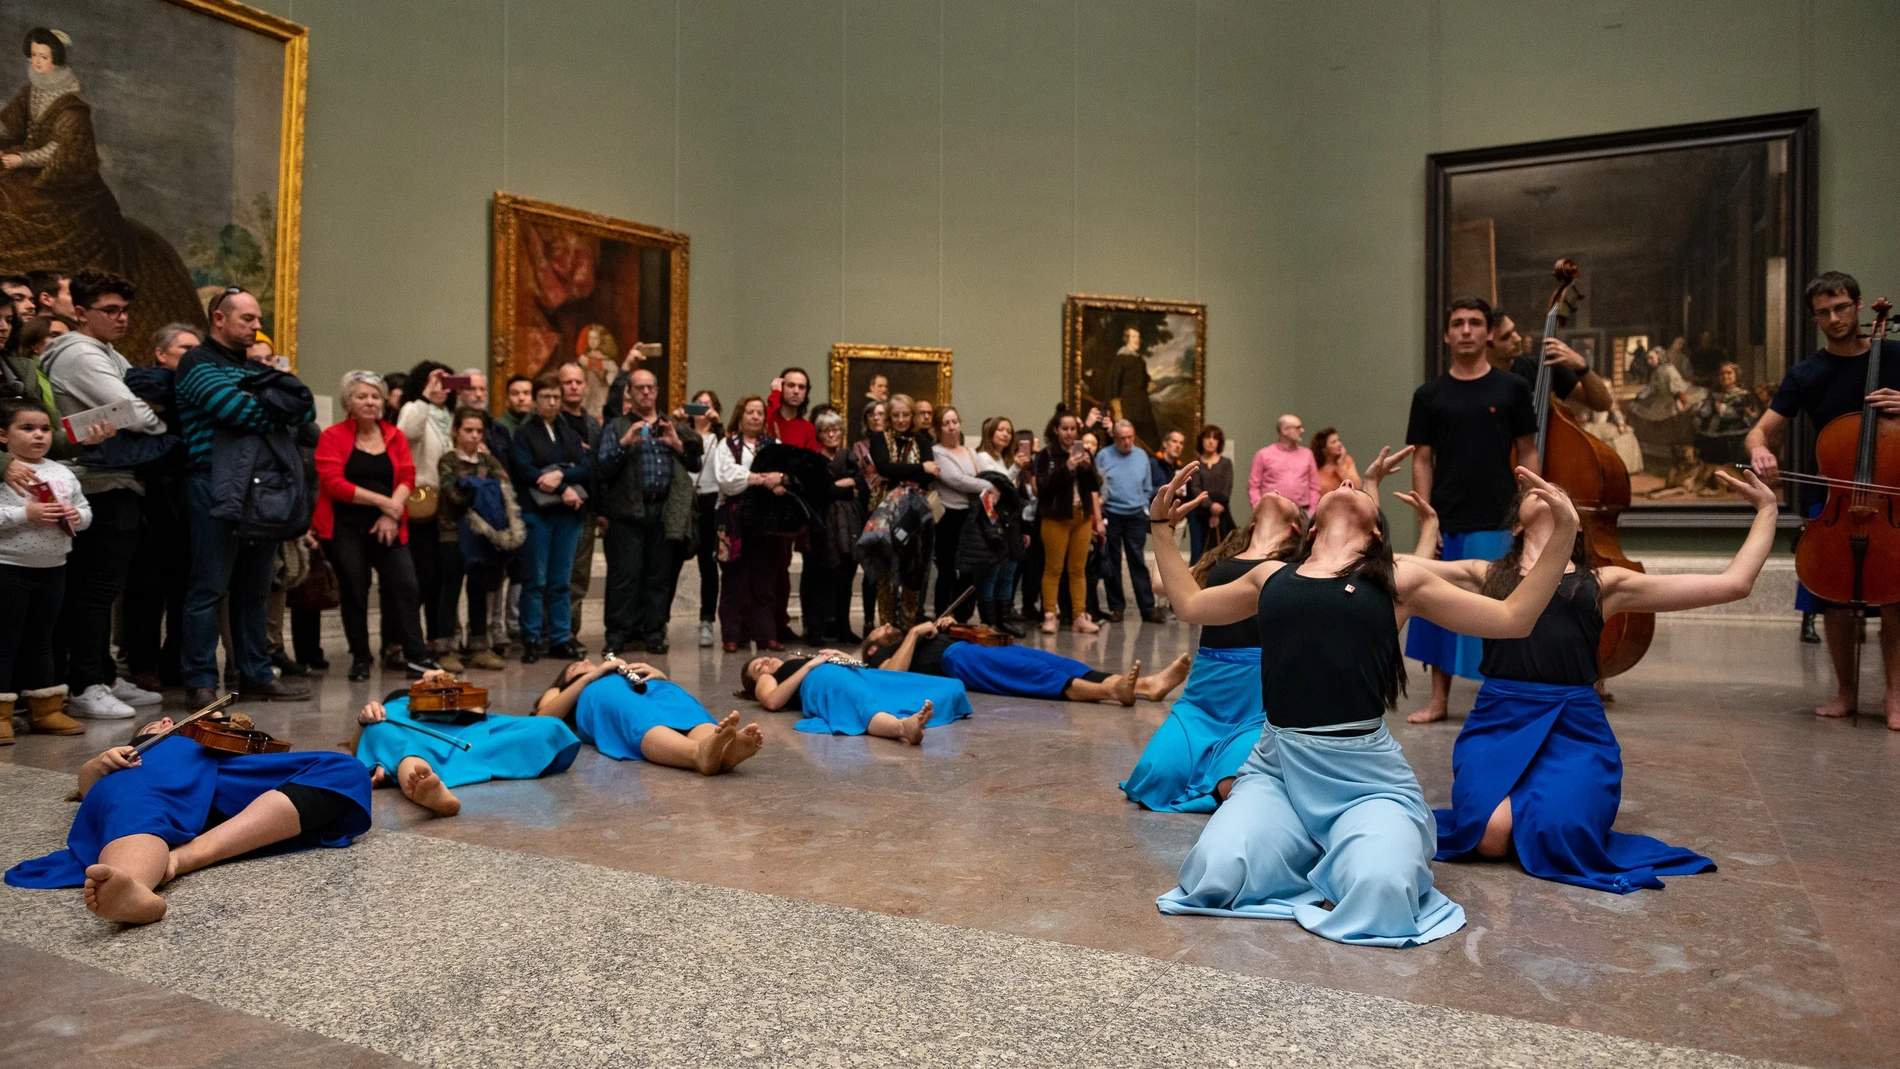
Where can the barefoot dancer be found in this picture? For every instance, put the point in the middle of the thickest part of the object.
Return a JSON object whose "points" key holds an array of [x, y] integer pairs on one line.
{"points": [[1537, 767], [427, 768], [144, 821], [847, 699], [1192, 759], [1326, 810], [1013, 671], [664, 725]]}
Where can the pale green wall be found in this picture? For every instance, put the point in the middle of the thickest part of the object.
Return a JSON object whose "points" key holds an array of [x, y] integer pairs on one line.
{"points": [[915, 172]]}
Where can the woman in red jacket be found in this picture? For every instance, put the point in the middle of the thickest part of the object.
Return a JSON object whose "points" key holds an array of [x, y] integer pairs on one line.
{"points": [[364, 478]]}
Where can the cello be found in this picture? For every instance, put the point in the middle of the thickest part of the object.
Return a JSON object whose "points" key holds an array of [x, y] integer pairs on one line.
{"points": [[1598, 484], [1850, 551]]}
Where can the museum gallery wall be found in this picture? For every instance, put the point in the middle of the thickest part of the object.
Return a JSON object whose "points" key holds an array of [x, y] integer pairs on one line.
{"points": [[160, 139]]}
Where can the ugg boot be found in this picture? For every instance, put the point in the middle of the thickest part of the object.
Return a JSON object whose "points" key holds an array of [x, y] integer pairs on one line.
{"points": [[1083, 625], [482, 657], [446, 656], [44, 715], [6, 718]]}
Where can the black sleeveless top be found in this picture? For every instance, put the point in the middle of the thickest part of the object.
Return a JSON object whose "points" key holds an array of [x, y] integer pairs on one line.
{"points": [[926, 658], [1244, 635], [1562, 648], [1334, 645], [786, 671]]}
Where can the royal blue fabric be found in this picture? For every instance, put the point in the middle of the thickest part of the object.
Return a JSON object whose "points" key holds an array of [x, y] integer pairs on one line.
{"points": [[1426, 641], [840, 700], [613, 719], [1314, 819], [1016, 671], [171, 794], [500, 747], [1207, 736], [1551, 750]]}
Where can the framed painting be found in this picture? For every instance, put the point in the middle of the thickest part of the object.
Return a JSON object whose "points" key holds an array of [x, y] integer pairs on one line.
{"points": [[576, 287], [1694, 242], [1137, 359], [861, 374], [162, 140]]}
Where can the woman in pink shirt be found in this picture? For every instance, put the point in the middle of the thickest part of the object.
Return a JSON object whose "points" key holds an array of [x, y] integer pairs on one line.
{"points": [[1286, 468]]}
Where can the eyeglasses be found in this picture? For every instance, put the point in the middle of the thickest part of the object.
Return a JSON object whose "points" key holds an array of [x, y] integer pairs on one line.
{"points": [[229, 291], [117, 311]]}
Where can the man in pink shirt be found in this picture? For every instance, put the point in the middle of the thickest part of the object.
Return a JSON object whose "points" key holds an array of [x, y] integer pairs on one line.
{"points": [[1286, 468]]}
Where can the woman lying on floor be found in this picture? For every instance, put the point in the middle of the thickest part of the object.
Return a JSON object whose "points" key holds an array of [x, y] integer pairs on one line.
{"points": [[1537, 768], [650, 720], [1012, 671], [1326, 824], [144, 821], [839, 696], [427, 767], [1192, 759]]}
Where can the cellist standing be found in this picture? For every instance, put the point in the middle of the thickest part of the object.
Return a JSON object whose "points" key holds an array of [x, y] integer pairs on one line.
{"points": [[1832, 382]]}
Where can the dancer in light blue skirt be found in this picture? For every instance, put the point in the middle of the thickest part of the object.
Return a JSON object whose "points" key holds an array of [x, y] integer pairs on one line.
{"points": [[840, 697], [632, 712], [427, 760], [1326, 824]]}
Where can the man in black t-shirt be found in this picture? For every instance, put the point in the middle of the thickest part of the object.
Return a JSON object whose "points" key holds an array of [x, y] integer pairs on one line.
{"points": [[1465, 426], [1829, 383]]}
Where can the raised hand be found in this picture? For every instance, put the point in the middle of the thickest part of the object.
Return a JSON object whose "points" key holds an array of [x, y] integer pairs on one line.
{"points": [[1385, 464], [1426, 513], [1751, 489], [1559, 502], [1167, 506]]}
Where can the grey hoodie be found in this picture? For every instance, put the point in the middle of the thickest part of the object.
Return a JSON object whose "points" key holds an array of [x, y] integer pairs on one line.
{"points": [[87, 373]]}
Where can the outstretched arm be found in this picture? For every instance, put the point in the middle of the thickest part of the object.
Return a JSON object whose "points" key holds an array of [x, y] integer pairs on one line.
{"points": [[1225, 604], [900, 659], [1630, 591], [1426, 595]]}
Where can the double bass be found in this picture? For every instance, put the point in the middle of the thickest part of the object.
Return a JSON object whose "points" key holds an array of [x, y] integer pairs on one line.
{"points": [[1850, 551], [1598, 484]]}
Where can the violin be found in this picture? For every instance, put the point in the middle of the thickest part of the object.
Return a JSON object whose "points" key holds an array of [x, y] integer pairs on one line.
{"points": [[978, 634], [448, 701], [1598, 484], [1850, 552], [236, 734]]}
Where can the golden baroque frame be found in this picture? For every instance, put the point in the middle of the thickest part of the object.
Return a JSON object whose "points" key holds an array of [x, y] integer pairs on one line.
{"points": [[843, 353], [511, 211], [1077, 306], [289, 236]]}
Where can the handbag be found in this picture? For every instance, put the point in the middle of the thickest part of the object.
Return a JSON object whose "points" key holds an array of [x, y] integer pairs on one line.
{"points": [[319, 590], [423, 502]]}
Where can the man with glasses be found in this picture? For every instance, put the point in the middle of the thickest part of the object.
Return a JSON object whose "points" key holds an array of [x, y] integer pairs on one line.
{"points": [[1286, 468], [87, 372], [1829, 383]]}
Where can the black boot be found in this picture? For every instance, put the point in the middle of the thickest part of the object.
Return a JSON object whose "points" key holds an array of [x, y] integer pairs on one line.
{"points": [[993, 615]]}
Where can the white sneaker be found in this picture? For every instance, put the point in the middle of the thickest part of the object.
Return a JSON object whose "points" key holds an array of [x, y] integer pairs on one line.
{"points": [[132, 694], [97, 703], [705, 635]]}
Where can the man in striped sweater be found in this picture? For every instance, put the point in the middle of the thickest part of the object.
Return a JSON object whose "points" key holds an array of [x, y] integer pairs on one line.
{"points": [[210, 397]]}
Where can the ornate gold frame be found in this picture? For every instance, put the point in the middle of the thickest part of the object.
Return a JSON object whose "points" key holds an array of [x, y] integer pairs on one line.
{"points": [[1076, 304], [510, 211], [844, 352], [289, 236]]}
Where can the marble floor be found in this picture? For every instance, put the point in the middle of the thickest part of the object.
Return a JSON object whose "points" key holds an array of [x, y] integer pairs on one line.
{"points": [[987, 899]]}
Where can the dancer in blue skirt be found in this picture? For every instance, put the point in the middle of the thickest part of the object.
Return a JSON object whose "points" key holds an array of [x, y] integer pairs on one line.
{"points": [[145, 820], [1537, 770], [425, 767], [632, 712], [840, 696], [1013, 671], [1326, 824], [1193, 758]]}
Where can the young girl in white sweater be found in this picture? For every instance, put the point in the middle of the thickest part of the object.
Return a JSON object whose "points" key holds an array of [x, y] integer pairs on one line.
{"points": [[36, 533]]}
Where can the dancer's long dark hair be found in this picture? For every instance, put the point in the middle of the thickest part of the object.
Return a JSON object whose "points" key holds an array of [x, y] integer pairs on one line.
{"points": [[1375, 567], [1507, 571]]}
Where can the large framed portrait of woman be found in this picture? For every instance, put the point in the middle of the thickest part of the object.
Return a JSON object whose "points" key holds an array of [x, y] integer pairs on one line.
{"points": [[576, 287], [161, 140]]}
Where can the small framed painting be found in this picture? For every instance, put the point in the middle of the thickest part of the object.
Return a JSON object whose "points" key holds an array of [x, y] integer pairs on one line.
{"points": [[861, 374]]}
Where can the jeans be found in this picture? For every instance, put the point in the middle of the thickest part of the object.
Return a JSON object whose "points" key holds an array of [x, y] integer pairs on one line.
{"points": [[31, 597], [999, 582], [1128, 533], [223, 565], [448, 557], [580, 571], [548, 560], [639, 570], [708, 556], [97, 570], [354, 553]]}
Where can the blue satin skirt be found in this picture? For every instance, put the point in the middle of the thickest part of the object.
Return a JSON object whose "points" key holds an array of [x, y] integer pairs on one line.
{"points": [[499, 747], [613, 719], [1209, 732], [1455, 653], [1550, 749], [1013, 671], [840, 700]]}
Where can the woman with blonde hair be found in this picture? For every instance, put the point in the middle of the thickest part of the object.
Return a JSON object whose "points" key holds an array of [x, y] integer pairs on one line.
{"points": [[905, 462]]}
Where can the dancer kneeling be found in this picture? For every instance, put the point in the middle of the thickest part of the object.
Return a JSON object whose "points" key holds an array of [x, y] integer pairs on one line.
{"points": [[1012, 671], [427, 766], [839, 696], [1192, 759], [1537, 768], [1326, 824], [145, 820], [646, 717]]}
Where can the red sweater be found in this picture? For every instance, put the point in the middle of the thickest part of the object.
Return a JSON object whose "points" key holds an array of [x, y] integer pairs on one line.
{"points": [[333, 451], [798, 431]]}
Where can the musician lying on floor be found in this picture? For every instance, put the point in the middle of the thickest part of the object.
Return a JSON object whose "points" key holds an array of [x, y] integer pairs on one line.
{"points": [[1013, 671], [632, 712]]}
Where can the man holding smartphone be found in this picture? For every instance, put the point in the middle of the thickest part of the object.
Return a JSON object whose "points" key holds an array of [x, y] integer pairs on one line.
{"points": [[645, 475]]}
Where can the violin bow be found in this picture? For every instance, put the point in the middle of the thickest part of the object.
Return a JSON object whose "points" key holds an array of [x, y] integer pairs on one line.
{"points": [[431, 732], [176, 725]]}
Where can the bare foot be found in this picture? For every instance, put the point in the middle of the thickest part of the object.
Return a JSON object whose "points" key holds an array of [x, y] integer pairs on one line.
{"points": [[1893, 711], [710, 758], [378, 778], [747, 743], [1157, 687], [1124, 687], [116, 896], [1841, 706], [913, 725], [1427, 715], [422, 786]]}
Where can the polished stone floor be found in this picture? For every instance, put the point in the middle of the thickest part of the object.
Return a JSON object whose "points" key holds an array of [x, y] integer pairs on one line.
{"points": [[1009, 826]]}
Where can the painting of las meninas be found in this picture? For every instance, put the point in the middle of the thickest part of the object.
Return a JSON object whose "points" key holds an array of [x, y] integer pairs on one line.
{"points": [[159, 139], [1137, 359]]}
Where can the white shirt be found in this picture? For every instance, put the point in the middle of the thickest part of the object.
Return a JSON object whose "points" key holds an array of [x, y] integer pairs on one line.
{"points": [[731, 474], [30, 545], [706, 481], [986, 463], [426, 442]]}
